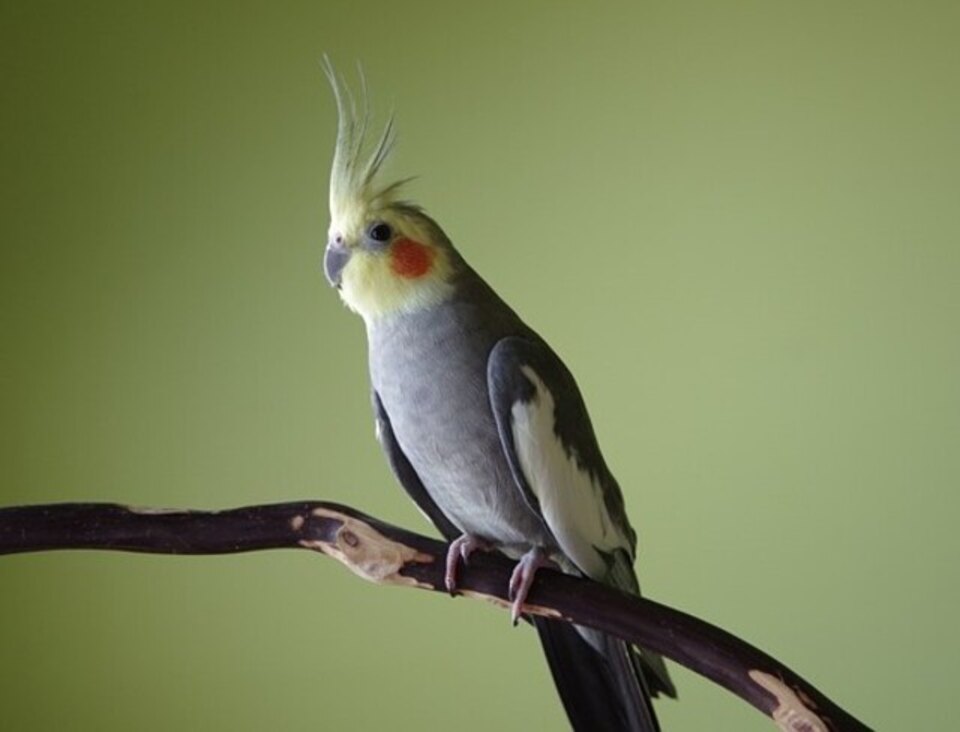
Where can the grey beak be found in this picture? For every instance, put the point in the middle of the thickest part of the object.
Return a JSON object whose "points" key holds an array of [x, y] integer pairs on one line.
{"points": [[334, 260]]}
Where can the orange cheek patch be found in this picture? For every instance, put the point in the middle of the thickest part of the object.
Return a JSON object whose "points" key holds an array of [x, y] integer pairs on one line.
{"points": [[410, 259]]}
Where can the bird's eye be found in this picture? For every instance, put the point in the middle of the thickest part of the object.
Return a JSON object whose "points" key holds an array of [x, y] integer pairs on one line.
{"points": [[381, 232]]}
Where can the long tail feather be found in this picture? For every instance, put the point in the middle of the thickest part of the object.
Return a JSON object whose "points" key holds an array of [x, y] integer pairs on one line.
{"points": [[601, 690]]}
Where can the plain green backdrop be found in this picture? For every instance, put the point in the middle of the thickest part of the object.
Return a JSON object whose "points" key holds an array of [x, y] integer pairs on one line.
{"points": [[737, 222]]}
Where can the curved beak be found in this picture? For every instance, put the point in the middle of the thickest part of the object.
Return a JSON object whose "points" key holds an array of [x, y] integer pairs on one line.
{"points": [[335, 258]]}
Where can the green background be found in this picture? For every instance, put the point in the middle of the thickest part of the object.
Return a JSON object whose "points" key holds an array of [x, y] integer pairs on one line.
{"points": [[737, 222]]}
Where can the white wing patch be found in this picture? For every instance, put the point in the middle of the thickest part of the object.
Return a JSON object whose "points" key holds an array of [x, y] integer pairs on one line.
{"points": [[570, 500]]}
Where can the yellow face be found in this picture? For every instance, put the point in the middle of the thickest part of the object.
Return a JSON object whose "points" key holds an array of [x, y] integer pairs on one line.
{"points": [[384, 256], [386, 261]]}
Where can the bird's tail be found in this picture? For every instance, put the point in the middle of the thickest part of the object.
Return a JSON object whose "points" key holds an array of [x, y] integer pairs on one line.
{"points": [[604, 684]]}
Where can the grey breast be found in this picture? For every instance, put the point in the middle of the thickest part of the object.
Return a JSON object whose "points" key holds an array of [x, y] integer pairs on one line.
{"points": [[430, 370]]}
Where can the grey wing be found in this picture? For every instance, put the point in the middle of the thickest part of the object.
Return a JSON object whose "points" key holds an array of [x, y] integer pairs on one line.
{"points": [[549, 442], [553, 454], [405, 473]]}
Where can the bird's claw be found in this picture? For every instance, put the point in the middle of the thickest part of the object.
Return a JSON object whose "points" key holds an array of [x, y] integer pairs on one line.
{"points": [[522, 579], [460, 550]]}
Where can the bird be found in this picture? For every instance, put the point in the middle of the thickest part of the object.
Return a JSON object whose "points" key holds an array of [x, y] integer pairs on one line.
{"points": [[481, 422]]}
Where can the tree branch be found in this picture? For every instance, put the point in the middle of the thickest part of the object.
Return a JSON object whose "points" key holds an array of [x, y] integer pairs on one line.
{"points": [[386, 554]]}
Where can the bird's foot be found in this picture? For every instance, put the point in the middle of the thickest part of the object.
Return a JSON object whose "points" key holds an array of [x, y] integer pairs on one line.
{"points": [[460, 550], [522, 579]]}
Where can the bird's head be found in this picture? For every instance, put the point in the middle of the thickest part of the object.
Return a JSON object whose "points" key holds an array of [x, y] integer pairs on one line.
{"points": [[384, 255]]}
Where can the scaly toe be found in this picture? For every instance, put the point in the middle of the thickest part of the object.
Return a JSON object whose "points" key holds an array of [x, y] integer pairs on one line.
{"points": [[460, 550], [450, 574], [522, 579]]}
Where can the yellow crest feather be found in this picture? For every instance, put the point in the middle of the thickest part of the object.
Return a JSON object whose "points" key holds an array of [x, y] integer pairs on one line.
{"points": [[354, 171]]}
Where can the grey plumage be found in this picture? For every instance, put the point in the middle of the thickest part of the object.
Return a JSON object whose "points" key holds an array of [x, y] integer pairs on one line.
{"points": [[485, 427], [429, 369]]}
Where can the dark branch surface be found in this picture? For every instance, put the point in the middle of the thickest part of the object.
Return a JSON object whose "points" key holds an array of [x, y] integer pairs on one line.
{"points": [[387, 554]]}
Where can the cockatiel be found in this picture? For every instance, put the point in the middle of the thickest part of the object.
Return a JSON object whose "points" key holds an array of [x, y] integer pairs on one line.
{"points": [[482, 423]]}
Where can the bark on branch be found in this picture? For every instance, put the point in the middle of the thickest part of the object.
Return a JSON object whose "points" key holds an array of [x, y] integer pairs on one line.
{"points": [[387, 554]]}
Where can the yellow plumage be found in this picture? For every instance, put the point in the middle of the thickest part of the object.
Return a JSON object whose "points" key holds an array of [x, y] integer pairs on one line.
{"points": [[370, 282]]}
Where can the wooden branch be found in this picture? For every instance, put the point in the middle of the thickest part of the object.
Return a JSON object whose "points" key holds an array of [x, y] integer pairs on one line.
{"points": [[386, 554]]}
